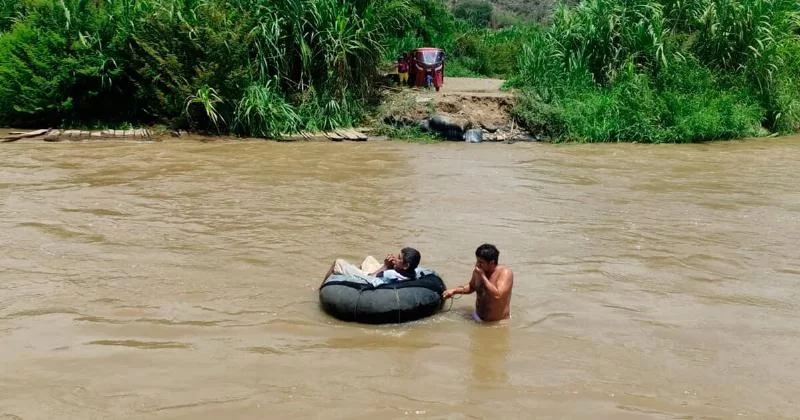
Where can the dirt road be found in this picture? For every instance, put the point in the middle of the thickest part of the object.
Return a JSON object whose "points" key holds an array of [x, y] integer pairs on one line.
{"points": [[474, 87]]}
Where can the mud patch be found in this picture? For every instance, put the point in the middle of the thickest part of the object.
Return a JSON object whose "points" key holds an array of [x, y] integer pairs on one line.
{"points": [[449, 107], [486, 111], [480, 110]]}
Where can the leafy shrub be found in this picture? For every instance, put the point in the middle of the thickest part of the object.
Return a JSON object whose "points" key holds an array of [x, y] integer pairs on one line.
{"points": [[204, 64], [656, 71], [476, 12]]}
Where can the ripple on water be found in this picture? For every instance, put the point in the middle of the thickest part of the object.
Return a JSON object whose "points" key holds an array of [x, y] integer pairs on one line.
{"points": [[643, 273], [143, 345]]}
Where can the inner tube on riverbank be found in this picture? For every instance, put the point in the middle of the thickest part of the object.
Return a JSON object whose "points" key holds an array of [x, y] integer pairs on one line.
{"points": [[354, 299]]}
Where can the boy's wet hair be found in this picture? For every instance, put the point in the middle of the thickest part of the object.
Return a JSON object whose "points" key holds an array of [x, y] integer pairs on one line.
{"points": [[488, 252]]}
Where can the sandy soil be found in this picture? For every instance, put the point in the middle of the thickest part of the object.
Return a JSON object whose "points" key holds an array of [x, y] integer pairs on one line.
{"points": [[473, 87], [478, 100]]}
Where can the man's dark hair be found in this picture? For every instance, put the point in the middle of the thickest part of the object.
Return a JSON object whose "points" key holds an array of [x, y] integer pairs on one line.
{"points": [[488, 252], [411, 257]]}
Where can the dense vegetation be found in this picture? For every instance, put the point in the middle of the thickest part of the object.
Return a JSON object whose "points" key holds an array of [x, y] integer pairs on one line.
{"points": [[604, 70], [671, 70], [252, 67], [256, 67], [478, 41]]}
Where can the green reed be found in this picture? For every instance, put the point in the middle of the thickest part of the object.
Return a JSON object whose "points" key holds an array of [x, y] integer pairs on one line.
{"points": [[674, 70], [254, 67]]}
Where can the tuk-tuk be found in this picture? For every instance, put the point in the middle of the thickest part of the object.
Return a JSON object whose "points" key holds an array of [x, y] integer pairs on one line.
{"points": [[426, 67]]}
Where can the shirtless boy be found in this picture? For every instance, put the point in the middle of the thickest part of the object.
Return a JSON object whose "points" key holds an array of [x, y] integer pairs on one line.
{"points": [[491, 282]]}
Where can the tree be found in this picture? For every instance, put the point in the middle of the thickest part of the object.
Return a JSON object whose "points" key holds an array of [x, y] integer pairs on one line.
{"points": [[477, 12]]}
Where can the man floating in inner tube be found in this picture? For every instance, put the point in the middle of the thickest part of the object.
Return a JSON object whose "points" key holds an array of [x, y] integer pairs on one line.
{"points": [[394, 268], [491, 282]]}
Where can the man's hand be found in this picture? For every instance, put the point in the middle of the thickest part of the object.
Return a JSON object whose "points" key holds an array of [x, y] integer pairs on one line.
{"points": [[389, 261], [448, 293], [481, 280]]}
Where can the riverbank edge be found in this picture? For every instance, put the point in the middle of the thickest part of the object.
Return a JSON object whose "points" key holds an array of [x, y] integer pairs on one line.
{"points": [[410, 115], [157, 134]]}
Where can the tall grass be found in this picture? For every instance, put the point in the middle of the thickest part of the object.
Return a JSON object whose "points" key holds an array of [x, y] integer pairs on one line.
{"points": [[602, 70], [487, 52], [472, 47], [9, 10], [430, 25], [655, 71], [256, 67]]}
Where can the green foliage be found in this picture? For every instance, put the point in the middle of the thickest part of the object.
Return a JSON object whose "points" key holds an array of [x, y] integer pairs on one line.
{"points": [[9, 11], [781, 99], [54, 66], [476, 12], [602, 70], [249, 66], [656, 71], [490, 53], [428, 24], [208, 99], [325, 111], [539, 116], [504, 19], [634, 108], [472, 49], [411, 134], [264, 112]]}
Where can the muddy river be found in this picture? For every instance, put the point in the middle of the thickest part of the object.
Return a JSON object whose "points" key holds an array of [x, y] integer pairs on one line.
{"points": [[178, 280]]}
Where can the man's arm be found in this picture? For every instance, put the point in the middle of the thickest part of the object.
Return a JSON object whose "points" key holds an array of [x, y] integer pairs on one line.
{"points": [[388, 263], [461, 290], [503, 284]]}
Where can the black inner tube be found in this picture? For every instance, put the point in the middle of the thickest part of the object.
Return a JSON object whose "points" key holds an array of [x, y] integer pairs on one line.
{"points": [[396, 302]]}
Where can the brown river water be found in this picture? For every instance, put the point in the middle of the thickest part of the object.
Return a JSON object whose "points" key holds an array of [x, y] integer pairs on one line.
{"points": [[177, 280]]}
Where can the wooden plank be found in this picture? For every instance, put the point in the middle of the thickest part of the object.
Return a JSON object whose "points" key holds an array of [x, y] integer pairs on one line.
{"points": [[53, 135], [316, 136], [290, 137], [357, 136], [29, 134], [333, 136], [60, 135], [349, 134]]}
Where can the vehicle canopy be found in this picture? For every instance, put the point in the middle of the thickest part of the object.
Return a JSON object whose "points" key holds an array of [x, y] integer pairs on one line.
{"points": [[428, 57]]}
